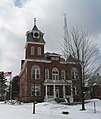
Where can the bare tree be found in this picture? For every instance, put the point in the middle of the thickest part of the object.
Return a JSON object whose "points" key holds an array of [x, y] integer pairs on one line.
{"points": [[79, 45]]}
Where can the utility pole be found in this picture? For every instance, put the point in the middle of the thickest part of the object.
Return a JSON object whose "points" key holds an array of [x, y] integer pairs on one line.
{"points": [[34, 99], [11, 89]]}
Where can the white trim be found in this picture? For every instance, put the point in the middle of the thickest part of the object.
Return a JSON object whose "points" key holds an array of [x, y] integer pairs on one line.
{"points": [[39, 51], [33, 60], [42, 61], [57, 82], [56, 55], [33, 43], [67, 63], [35, 31], [32, 50], [38, 60], [36, 72], [46, 73]]}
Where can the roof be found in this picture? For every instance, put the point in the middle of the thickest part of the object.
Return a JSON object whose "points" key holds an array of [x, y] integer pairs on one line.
{"points": [[30, 37], [35, 27], [52, 54], [48, 54]]}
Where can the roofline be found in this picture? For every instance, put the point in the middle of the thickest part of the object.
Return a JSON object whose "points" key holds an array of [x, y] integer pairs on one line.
{"points": [[31, 60], [42, 61], [39, 60], [54, 55], [67, 62]]}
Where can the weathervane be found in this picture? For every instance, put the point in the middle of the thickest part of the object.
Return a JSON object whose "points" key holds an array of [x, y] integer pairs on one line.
{"points": [[34, 21]]}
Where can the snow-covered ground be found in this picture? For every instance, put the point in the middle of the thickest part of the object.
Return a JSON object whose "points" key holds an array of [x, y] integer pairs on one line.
{"points": [[50, 110]]}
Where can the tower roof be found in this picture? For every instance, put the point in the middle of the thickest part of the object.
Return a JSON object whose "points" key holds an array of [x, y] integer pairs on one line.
{"points": [[35, 35]]}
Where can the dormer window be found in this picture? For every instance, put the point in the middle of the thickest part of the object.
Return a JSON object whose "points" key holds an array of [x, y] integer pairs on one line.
{"points": [[38, 51], [55, 58]]}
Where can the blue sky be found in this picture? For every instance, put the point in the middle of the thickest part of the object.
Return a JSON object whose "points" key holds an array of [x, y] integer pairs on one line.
{"points": [[16, 18], [19, 3]]}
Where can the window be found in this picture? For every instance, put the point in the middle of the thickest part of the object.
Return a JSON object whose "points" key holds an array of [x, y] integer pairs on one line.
{"points": [[68, 90], [74, 74], [48, 90], [75, 90], [35, 72], [46, 73], [63, 74], [36, 89], [39, 51], [55, 74], [32, 50]]}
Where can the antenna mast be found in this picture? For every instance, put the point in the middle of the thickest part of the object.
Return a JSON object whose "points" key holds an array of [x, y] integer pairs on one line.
{"points": [[66, 38], [65, 27]]}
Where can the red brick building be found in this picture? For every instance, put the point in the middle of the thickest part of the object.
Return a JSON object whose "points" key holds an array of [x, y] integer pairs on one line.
{"points": [[46, 76], [96, 91], [94, 86]]}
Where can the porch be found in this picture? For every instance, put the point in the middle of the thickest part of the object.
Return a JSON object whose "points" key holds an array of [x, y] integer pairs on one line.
{"points": [[57, 89]]}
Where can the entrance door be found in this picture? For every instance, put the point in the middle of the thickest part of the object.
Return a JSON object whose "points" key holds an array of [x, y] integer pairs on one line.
{"points": [[57, 92]]}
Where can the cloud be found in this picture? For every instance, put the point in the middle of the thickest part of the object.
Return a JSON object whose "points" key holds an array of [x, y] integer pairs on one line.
{"points": [[16, 17]]}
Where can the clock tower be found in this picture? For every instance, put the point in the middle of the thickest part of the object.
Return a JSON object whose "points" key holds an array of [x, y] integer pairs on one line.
{"points": [[34, 47], [43, 75]]}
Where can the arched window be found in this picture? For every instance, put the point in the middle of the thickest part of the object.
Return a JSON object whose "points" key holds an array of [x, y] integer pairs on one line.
{"points": [[55, 74], [63, 74], [74, 74], [32, 50], [46, 73], [35, 72], [38, 51]]}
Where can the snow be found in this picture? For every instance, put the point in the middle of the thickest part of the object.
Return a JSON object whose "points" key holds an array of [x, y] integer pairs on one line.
{"points": [[50, 110]]}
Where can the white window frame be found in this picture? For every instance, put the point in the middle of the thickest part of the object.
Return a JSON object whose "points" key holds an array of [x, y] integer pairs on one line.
{"points": [[63, 74], [32, 50], [39, 51], [35, 72], [75, 91], [46, 73], [74, 74], [55, 73], [36, 90]]}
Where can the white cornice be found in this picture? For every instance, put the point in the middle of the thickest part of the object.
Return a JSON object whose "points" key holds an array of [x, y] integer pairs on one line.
{"points": [[38, 60], [56, 55], [33, 60], [42, 61], [67, 63]]}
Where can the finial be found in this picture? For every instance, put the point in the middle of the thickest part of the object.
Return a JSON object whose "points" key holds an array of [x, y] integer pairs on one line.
{"points": [[34, 21]]}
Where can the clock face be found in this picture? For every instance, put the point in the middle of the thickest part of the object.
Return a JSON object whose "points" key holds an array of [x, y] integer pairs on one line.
{"points": [[36, 34]]}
